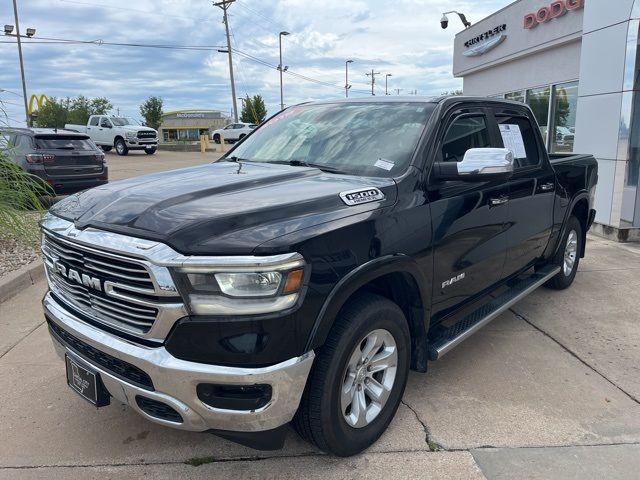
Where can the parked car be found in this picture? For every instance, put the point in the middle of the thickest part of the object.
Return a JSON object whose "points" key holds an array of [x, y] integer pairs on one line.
{"points": [[233, 132], [120, 132], [301, 277], [564, 137], [67, 161]]}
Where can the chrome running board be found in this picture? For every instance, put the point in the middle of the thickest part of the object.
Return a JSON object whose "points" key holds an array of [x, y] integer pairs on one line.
{"points": [[452, 336]]}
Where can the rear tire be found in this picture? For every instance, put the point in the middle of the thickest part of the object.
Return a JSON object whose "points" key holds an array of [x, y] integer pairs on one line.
{"points": [[121, 147], [149, 151], [216, 138], [366, 351], [106, 148], [568, 256]]}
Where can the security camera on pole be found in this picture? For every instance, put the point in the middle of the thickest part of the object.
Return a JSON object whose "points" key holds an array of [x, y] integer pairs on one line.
{"points": [[444, 21]]}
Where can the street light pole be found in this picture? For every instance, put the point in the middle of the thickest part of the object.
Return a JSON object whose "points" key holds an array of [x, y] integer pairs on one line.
{"points": [[386, 83], [24, 83], [281, 68], [346, 78]]}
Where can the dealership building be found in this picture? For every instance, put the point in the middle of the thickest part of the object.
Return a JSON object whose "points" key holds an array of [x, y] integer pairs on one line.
{"points": [[577, 64], [188, 125]]}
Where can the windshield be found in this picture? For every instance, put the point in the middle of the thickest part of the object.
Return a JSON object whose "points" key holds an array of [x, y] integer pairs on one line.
{"points": [[122, 121], [368, 139], [64, 143]]}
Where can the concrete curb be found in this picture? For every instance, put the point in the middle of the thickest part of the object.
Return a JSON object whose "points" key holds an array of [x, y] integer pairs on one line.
{"points": [[16, 281]]}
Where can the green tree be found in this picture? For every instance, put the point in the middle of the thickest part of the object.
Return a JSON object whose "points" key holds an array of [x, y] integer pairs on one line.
{"points": [[79, 110], [100, 106], [53, 114], [57, 112], [253, 110], [562, 108], [151, 111]]}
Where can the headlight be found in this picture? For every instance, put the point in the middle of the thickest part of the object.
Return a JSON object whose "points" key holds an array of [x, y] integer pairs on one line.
{"points": [[250, 289], [131, 134]]}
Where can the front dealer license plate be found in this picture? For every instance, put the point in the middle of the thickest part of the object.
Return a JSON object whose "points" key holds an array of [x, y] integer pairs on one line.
{"points": [[86, 382]]}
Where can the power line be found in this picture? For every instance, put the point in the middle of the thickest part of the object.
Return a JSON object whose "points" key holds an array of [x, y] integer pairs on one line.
{"points": [[268, 19], [99, 42], [290, 72]]}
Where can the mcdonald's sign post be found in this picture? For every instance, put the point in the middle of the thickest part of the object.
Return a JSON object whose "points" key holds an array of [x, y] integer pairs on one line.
{"points": [[38, 101]]}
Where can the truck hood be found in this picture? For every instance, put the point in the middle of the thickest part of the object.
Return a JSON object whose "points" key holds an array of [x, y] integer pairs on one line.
{"points": [[223, 207], [135, 128]]}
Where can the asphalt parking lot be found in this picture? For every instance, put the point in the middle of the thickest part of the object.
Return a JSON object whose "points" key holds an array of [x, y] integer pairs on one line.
{"points": [[139, 163], [551, 389]]}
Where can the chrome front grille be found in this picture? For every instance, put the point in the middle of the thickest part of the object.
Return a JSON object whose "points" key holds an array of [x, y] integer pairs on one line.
{"points": [[112, 289], [146, 134]]}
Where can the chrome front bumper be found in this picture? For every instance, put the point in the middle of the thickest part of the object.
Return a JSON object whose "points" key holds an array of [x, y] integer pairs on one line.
{"points": [[175, 380]]}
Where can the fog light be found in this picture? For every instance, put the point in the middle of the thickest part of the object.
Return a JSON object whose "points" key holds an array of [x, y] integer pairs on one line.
{"points": [[235, 397]]}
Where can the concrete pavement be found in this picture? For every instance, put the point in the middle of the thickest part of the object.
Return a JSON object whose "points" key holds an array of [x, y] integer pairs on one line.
{"points": [[549, 390]]}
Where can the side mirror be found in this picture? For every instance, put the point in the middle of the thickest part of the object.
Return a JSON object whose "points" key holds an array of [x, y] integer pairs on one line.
{"points": [[478, 164]]}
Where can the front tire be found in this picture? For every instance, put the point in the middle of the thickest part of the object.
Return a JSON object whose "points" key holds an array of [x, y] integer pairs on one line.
{"points": [[358, 379], [149, 151], [121, 147], [216, 138], [568, 256]]}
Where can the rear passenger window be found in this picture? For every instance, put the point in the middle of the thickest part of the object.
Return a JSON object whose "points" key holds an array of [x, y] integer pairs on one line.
{"points": [[518, 135], [94, 121], [463, 134]]}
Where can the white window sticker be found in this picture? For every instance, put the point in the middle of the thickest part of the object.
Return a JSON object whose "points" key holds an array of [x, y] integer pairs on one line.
{"points": [[384, 164], [512, 139]]}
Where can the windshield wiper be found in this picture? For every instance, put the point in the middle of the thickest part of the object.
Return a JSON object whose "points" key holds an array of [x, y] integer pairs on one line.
{"points": [[324, 168], [233, 158]]}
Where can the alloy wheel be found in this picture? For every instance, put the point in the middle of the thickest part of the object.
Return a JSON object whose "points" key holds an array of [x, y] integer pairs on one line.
{"points": [[369, 378], [570, 252]]}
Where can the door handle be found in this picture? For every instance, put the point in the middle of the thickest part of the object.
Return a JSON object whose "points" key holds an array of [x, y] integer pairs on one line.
{"points": [[545, 187], [494, 202]]}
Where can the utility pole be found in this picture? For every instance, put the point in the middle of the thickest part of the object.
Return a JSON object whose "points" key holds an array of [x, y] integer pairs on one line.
{"points": [[373, 80], [224, 5], [24, 83]]}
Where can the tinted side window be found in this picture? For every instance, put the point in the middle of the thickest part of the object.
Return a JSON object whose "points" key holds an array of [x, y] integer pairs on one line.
{"points": [[94, 121], [519, 136], [24, 143], [105, 123], [463, 134]]}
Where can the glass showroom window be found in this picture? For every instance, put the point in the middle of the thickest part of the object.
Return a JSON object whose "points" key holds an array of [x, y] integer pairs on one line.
{"points": [[563, 115], [539, 100], [516, 96]]}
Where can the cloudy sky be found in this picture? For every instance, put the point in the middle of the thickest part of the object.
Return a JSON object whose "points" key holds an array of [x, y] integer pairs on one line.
{"points": [[402, 38]]}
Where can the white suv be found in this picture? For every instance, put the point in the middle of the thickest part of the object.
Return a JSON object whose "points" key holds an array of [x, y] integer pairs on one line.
{"points": [[233, 132]]}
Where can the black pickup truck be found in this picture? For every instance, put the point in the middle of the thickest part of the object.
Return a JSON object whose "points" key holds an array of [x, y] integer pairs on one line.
{"points": [[300, 277]]}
